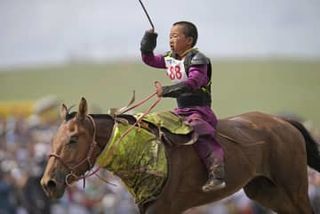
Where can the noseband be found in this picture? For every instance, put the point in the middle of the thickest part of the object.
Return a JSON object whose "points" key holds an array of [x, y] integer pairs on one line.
{"points": [[87, 159]]}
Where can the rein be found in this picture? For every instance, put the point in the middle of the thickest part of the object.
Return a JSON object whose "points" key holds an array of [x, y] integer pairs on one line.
{"points": [[154, 104], [139, 103]]}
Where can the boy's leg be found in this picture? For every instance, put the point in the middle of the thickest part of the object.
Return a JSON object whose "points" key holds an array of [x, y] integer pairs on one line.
{"points": [[211, 154]]}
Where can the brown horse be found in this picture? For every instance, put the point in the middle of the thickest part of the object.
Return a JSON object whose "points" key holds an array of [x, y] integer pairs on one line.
{"points": [[265, 155]]}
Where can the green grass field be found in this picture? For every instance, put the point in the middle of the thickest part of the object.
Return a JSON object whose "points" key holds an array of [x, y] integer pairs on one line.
{"points": [[238, 86]]}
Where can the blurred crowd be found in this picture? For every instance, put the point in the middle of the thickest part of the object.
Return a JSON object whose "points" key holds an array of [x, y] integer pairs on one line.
{"points": [[24, 147]]}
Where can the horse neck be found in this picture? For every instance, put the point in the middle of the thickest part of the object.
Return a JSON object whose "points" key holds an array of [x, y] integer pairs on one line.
{"points": [[104, 126]]}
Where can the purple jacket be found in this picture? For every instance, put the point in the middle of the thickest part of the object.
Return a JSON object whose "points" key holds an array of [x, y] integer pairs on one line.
{"points": [[196, 79]]}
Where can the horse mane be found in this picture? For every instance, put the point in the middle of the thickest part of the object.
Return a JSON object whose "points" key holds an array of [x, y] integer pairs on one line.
{"points": [[71, 115]]}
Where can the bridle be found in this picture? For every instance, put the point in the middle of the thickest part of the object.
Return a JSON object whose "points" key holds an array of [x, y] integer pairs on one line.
{"points": [[87, 159]]}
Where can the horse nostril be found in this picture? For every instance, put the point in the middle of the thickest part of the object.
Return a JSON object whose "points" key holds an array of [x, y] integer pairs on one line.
{"points": [[51, 185]]}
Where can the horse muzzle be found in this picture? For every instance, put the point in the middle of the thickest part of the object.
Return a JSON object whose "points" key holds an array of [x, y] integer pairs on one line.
{"points": [[52, 187]]}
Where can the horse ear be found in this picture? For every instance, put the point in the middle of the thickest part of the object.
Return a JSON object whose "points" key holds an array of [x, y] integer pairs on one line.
{"points": [[63, 111], [83, 109]]}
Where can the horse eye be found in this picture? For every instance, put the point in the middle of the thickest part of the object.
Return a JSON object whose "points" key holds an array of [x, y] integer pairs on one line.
{"points": [[72, 140]]}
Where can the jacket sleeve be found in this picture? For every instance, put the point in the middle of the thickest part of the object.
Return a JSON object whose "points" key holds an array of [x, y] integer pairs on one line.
{"points": [[156, 61], [175, 90]]}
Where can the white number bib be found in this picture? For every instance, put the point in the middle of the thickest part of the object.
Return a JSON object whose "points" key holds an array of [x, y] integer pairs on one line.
{"points": [[175, 70]]}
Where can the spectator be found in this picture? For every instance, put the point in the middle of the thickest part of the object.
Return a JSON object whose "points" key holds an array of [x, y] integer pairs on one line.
{"points": [[7, 199]]}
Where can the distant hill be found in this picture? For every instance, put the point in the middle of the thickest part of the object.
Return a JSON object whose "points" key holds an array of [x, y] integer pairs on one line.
{"points": [[238, 86]]}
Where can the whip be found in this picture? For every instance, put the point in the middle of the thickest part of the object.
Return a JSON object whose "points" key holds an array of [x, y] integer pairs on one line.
{"points": [[147, 14]]}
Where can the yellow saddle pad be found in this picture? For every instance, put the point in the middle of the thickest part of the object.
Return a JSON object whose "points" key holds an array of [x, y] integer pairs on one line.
{"points": [[138, 158], [167, 120]]}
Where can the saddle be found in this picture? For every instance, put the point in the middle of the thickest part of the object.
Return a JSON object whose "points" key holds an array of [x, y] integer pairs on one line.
{"points": [[167, 126]]}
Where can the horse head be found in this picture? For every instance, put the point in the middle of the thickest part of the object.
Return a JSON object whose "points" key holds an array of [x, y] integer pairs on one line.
{"points": [[74, 151]]}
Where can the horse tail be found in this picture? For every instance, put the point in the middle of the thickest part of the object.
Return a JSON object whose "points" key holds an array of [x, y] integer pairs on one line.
{"points": [[313, 156]]}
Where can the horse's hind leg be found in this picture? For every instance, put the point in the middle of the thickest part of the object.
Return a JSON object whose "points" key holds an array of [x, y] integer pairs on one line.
{"points": [[277, 199]]}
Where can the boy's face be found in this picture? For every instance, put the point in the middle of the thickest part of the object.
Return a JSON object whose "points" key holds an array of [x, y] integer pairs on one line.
{"points": [[178, 41]]}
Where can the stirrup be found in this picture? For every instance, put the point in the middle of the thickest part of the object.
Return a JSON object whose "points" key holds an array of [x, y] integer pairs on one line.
{"points": [[213, 184]]}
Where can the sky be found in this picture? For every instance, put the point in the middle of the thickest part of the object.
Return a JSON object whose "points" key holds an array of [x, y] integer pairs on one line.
{"points": [[54, 31]]}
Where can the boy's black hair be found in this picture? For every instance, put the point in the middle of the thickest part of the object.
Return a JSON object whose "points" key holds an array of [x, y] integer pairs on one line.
{"points": [[190, 30]]}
